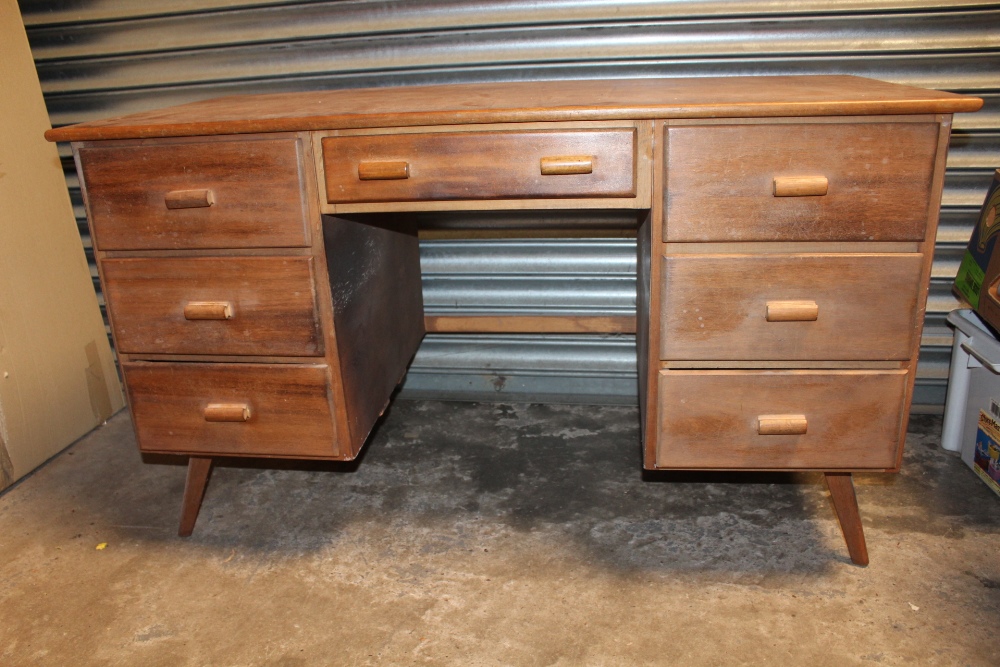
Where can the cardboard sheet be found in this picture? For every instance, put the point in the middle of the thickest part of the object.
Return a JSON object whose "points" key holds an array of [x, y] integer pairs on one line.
{"points": [[57, 373]]}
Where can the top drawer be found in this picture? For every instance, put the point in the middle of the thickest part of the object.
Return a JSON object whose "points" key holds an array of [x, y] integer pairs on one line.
{"points": [[480, 165], [213, 194], [803, 181]]}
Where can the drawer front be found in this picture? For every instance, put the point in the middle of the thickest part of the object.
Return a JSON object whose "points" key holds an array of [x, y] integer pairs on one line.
{"points": [[780, 419], [480, 165], [764, 182], [232, 409], [220, 194], [790, 307], [214, 305]]}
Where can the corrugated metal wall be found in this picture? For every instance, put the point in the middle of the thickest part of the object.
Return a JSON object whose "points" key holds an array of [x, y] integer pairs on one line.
{"points": [[100, 58]]}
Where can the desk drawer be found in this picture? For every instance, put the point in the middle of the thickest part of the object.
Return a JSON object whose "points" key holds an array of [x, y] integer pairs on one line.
{"points": [[780, 419], [214, 194], [234, 409], [214, 305], [745, 182], [790, 307], [480, 165]]}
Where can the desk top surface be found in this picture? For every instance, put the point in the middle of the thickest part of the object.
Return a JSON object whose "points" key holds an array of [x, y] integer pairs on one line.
{"points": [[532, 101]]}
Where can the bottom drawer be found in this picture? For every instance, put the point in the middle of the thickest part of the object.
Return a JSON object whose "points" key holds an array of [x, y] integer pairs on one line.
{"points": [[754, 419], [281, 410]]}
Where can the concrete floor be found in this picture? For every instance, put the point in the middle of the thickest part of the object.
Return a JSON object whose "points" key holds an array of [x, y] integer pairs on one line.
{"points": [[477, 534]]}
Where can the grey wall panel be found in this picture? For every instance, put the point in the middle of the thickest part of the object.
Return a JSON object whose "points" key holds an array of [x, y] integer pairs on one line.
{"points": [[183, 24], [557, 368], [529, 277], [805, 36], [98, 58]]}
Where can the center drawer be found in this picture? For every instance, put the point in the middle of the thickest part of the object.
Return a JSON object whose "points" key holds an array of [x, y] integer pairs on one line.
{"points": [[822, 306], [774, 420], [480, 165], [214, 305]]}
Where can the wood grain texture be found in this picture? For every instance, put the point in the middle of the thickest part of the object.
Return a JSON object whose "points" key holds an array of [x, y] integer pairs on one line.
{"points": [[290, 409], [378, 313], [721, 181], [715, 306], [592, 205], [480, 165], [198, 471], [255, 186], [272, 303], [786, 248], [347, 449], [703, 364], [527, 324], [527, 101], [708, 419], [845, 503], [466, 205], [923, 285], [649, 251]]}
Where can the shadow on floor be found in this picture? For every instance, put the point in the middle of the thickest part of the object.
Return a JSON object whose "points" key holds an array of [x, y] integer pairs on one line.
{"points": [[440, 470]]}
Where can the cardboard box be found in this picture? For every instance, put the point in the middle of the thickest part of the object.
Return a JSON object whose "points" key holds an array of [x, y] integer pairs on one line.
{"points": [[972, 410], [57, 372], [979, 275], [986, 456]]}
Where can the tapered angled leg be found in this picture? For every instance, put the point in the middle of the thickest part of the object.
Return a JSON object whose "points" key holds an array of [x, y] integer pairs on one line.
{"points": [[846, 504], [194, 491]]}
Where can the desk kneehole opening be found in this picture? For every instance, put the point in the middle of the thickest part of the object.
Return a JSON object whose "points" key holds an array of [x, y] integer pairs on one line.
{"points": [[227, 412], [782, 425]]}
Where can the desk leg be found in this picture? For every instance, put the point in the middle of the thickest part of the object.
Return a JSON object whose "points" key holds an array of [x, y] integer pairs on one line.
{"points": [[841, 487], [194, 491]]}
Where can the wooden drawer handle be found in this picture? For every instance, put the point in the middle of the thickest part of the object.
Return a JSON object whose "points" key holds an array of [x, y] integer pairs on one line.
{"points": [[189, 198], [227, 412], [208, 310], [383, 171], [781, 424], [561, 165], [792, 311], [800, 186]]}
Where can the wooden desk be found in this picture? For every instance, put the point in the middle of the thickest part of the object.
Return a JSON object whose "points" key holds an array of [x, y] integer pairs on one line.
{"points": [[264, 304]]}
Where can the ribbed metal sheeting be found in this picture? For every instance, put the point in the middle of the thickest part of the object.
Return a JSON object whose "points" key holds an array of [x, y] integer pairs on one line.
{"points": [[103, 58]]}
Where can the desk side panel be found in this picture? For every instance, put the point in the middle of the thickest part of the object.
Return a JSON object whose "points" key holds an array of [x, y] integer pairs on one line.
{"points": [[650, 244], [378, 313]]}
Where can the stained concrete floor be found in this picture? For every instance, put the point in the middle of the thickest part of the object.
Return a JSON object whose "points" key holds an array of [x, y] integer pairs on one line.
{"points": [[478, 534]]}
